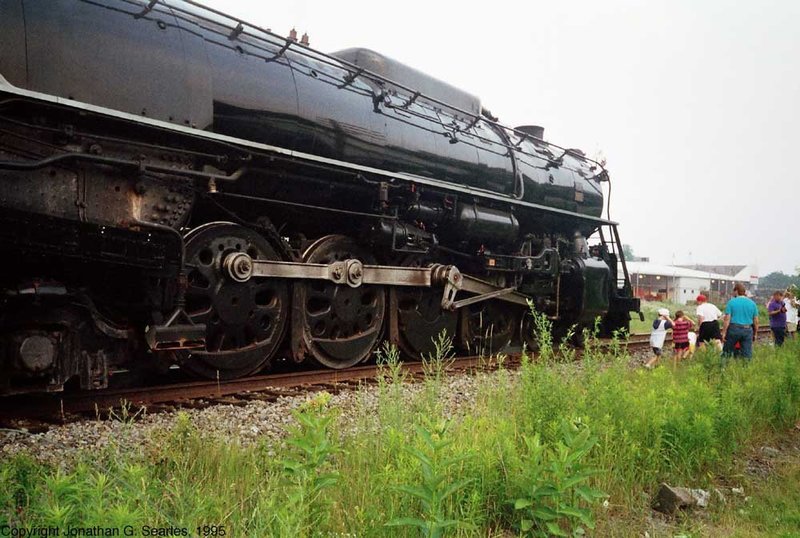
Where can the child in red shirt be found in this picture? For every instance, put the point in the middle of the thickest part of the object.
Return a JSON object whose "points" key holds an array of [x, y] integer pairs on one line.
{"points": [[680, 334]]}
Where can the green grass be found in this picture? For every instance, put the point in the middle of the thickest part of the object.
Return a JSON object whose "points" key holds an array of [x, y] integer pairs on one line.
{"points": [[771, 508], [552, 449]]}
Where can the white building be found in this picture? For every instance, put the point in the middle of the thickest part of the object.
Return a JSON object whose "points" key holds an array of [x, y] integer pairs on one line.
{"points": [[680, 285]]}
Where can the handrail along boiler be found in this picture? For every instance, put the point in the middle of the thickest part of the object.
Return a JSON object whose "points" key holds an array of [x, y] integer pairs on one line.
{"points": [[180, 186]]}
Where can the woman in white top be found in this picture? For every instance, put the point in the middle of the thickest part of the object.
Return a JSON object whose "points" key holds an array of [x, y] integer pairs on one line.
{"points": [[708, 318]]}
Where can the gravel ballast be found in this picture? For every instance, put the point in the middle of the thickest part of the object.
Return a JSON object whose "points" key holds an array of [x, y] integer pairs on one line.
{"points": [[253, 421]]}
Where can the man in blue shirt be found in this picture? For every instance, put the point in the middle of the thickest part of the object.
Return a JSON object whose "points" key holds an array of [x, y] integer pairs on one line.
{"points": [[740, 325]]}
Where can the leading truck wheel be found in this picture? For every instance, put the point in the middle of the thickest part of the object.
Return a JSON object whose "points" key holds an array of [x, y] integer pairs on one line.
{"points": [[245, 321], [336, 325]]}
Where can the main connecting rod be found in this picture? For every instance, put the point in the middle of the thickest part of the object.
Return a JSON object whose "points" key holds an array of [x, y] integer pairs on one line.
{"points": [[240, 267]]}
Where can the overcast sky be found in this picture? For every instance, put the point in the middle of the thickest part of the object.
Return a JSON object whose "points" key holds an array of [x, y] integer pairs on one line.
{"points": [[694, 104]]}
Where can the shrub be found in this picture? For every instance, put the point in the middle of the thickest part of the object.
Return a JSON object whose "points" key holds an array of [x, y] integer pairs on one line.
{"points": [[438, 482], [554, 496], [306, 471]]}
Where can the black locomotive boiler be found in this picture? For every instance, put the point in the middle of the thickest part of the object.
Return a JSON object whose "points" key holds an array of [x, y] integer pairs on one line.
{"points": [[178, 186]]}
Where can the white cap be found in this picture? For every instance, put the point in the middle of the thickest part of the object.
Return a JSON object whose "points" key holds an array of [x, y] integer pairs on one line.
{"points": [[663, 312]]}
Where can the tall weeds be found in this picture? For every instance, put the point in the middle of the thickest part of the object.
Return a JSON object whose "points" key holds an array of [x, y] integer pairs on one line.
{"points": [[307, 474], [437, 483], [554, 496]]}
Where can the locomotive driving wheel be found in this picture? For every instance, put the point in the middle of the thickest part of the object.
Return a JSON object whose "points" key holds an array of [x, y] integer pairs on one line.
{"points": [[336, 324], [420, 317], [488, 327], [245, 321]]}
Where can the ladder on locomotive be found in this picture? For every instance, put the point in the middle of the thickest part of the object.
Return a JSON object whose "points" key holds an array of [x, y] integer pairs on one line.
{"points": [[609, 235]]}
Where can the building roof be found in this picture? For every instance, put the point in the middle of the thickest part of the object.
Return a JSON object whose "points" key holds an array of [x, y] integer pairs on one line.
{"points": [[730, 270], [647, 268]]}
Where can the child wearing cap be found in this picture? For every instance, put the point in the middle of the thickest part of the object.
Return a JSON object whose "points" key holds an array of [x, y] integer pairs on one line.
{"points": [[659, 335]]}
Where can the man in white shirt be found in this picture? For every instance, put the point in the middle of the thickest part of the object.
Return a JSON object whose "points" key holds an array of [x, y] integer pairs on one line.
{"points": [[708, 319], [790, 302]]}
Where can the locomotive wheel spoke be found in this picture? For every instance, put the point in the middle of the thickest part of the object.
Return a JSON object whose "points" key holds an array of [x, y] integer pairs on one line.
{"points": [[340, 325], [245, 321]]}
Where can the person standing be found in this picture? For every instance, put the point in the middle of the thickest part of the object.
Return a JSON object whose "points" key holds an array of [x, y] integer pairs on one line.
{"points": [[790, 303], [777, 317], [708, 319], [740, 324], [680, 334], [659, 335]]}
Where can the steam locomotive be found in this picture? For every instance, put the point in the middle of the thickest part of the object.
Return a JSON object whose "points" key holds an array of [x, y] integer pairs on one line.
{"points": [[181, 187]]}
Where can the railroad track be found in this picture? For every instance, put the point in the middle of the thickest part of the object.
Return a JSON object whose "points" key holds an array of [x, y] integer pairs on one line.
{"points": [[65, 407]]}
